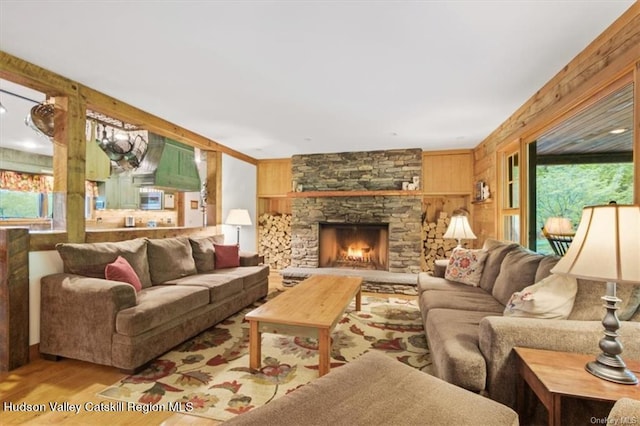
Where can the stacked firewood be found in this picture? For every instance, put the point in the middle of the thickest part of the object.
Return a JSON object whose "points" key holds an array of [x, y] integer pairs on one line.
{"points": [[275, 239], [435, 246]]}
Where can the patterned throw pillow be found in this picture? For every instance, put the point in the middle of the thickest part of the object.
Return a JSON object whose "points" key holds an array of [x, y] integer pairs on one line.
{"points": [[551, 298], [465, 266]]}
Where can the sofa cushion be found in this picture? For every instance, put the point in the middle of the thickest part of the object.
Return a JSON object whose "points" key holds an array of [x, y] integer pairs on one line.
{"points": [[465, 266], [517, 271], [545, 266], [251, 275], [427, 282], [220, 286], [170, 258], [158, 305], [453, 341], [588, 304], [90, 259], [551, 298], [227, 256], [463, 301], [121, 270], [376, 389], [497, 251], [203, 252]]}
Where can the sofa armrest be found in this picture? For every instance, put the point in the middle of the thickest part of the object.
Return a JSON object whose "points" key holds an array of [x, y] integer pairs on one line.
{"points": [[78, 315], [499, 335], [250, 259]]}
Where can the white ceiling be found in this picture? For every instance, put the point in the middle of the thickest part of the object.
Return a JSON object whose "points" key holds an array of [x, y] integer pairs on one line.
{"points": [[277, 78]]}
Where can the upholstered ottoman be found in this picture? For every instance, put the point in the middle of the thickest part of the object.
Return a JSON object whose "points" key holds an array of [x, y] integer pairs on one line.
{"points": [[376, 389]]}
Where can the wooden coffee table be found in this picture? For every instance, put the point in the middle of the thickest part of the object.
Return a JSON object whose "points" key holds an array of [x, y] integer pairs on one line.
{"points": [[310, 309]]}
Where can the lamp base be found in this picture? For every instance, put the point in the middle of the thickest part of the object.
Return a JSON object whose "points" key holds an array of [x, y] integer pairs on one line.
{"points": [[617, 374]]}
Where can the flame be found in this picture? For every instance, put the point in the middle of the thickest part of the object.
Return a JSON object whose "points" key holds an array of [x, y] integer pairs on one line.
{"points": [[355, 253]]}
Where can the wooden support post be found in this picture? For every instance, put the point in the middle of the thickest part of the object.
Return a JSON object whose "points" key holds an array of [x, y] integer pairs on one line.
{"points": [[14, 298], [69, 167], [214, 188]]}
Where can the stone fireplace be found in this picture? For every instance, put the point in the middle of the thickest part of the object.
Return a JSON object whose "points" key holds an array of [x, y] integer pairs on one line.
{"points": [[358, 188], [356, 246]]}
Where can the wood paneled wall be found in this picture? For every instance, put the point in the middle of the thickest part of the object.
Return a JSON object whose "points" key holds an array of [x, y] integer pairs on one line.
{"points": [[615, 53]]}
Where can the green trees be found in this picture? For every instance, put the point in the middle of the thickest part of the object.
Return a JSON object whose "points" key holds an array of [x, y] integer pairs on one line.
{"points": [[564, 190]]}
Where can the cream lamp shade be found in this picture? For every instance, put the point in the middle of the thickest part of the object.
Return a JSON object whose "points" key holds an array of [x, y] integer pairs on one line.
{"points": [[606, 247], [459, 229], [238, 218], [558, 226]]}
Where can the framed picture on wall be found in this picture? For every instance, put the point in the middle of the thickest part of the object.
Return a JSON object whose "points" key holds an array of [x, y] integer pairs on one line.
{"points": [[194, 204]]}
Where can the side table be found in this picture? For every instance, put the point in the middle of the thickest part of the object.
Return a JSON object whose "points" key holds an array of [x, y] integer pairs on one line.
{"points": [[552, 375]]}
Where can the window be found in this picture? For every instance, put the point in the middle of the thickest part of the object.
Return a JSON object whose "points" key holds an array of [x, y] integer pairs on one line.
{"points": [[585, 159], [509, 228]]}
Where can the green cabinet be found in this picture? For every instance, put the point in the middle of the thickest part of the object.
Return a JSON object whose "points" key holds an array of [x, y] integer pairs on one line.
{"points": [[177, 167], [120, 193]]}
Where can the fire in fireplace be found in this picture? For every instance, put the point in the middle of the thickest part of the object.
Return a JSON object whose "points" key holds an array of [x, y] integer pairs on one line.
{"points": [[356, 246]]}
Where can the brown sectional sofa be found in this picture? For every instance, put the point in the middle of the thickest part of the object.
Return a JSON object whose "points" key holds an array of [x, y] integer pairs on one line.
{"points": [[85, 316], [471, 341]]}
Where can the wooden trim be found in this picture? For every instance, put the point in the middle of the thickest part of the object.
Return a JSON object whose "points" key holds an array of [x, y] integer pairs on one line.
{"points": [[597, 94], [587, 158], [14, 298], [112, 107], [34, 352], [636, 133], [34, 77], [317, 194], [609, 57], [448, 151]]}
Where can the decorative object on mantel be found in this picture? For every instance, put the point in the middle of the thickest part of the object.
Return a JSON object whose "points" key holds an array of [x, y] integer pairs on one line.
{"points": [[238, 218], [482, 192], [605, 248], [459, 228]]}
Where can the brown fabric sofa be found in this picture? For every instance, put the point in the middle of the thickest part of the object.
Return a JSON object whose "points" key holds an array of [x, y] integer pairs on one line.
{"points": [[376, 389], [85, 316], [471, 341]]}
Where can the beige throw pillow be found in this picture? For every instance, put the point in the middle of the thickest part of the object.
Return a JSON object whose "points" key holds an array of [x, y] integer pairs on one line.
{"points": [[465, 266], [551, 298]]}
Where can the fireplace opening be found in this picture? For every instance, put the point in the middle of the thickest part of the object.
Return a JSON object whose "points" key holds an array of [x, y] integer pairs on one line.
{"points": [[355, 246]]}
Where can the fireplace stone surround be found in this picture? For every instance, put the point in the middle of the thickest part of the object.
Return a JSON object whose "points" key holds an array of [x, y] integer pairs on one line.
{"points": [[358, 171]]}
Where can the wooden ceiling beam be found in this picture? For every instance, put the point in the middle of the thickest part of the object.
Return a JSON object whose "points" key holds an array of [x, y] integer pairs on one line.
{"points": [[112, 107], [37, 78], [34, 77]]}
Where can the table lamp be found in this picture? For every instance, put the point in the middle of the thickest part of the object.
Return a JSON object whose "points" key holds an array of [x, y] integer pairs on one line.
{"points": [[459, 229], [238, 218], [606, 248]]}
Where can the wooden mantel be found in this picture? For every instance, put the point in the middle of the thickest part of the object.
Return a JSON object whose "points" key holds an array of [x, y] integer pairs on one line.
{"points": [[387, 193]]}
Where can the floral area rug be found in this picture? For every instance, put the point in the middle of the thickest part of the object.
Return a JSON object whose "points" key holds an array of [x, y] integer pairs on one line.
{"points": [[209, 375]]}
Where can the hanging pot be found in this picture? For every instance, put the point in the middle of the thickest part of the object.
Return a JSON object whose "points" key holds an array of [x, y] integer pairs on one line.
{"points": [[41, 117]]}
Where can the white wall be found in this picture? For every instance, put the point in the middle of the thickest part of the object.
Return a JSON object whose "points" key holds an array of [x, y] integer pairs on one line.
{"points": [[239, 191], [193, 218], [41, 263]]}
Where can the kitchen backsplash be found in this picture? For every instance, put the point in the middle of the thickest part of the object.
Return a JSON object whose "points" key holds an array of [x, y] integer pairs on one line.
{"points": [[116, 218]]}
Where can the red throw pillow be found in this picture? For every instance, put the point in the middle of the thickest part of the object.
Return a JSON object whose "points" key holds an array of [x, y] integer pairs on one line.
{"points": [[226, 256], [121, 270]]}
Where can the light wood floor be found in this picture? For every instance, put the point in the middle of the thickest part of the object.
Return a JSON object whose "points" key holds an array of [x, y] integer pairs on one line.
{"points": [[78, 382]]}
